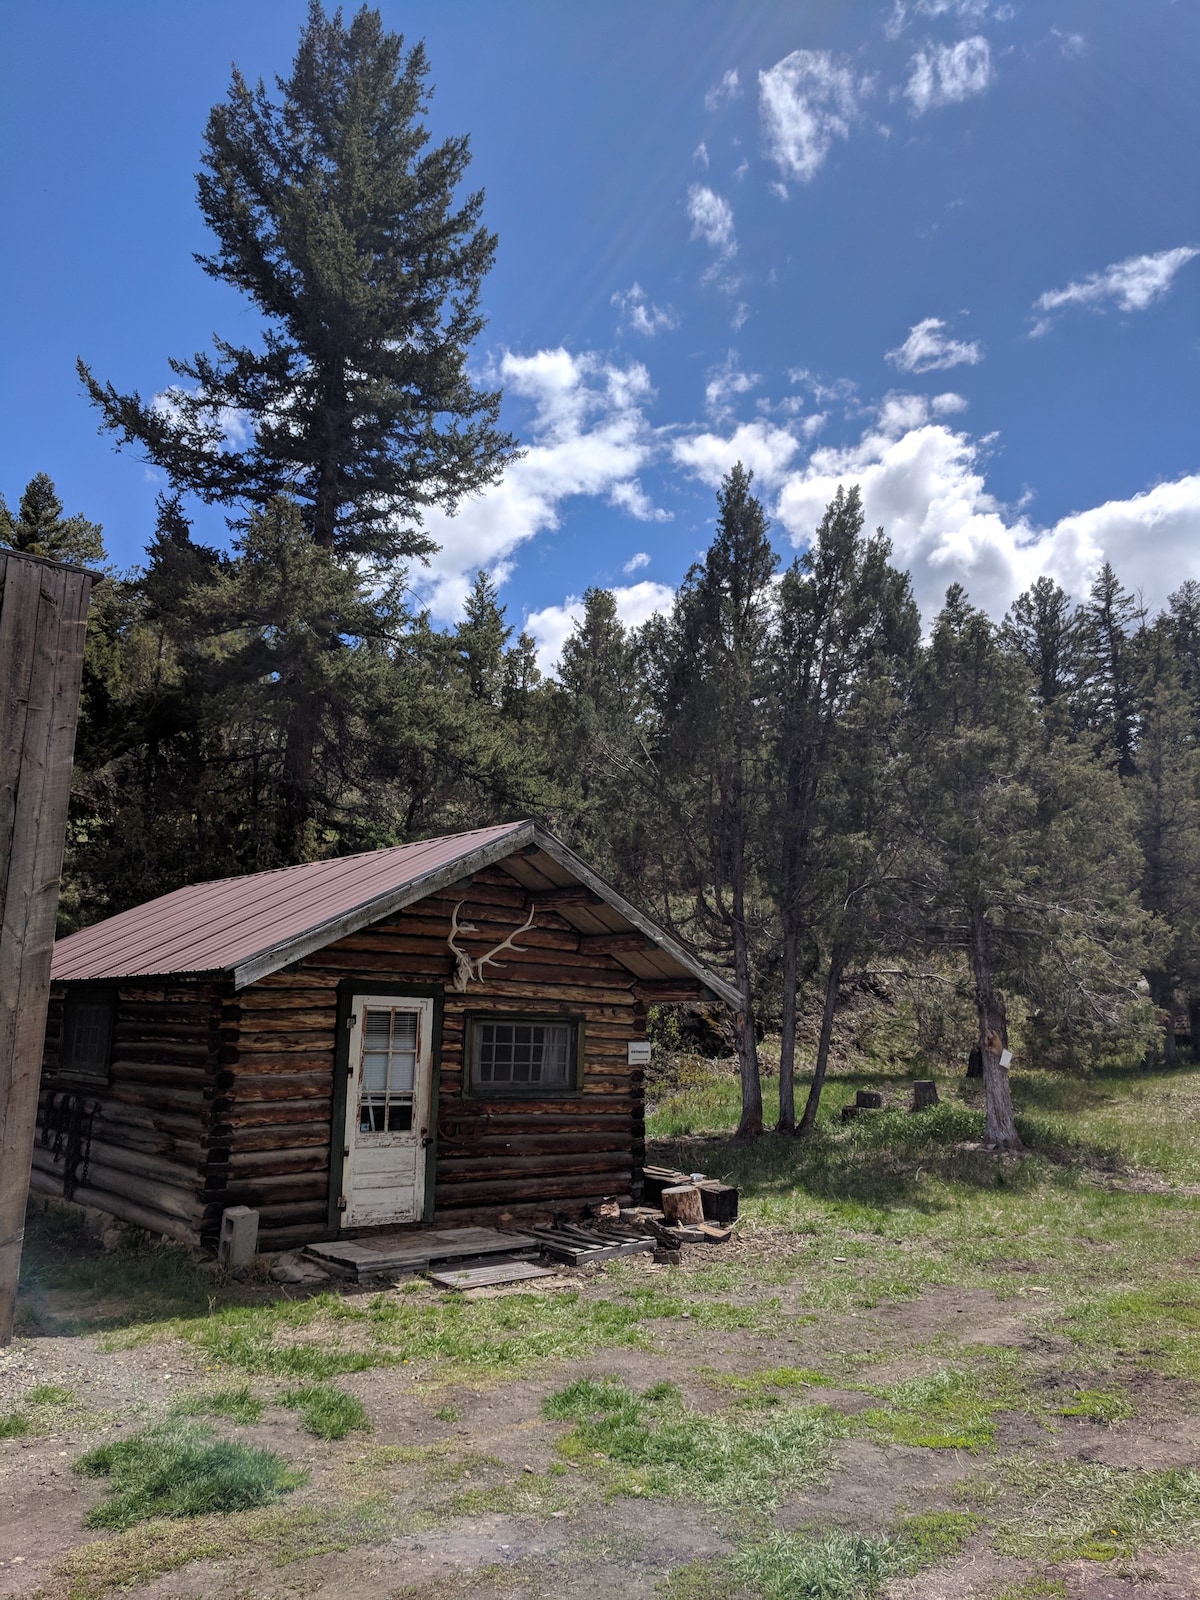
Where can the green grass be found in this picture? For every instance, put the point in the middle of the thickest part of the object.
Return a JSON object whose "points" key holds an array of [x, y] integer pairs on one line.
{"points": [[327, 1412], [14, 1425], [1097, 1405], [949, 1410], [931, 1537], [235, 1405], [1072, 1510], [49, 1394], [181, 1470], [650, 1444]]}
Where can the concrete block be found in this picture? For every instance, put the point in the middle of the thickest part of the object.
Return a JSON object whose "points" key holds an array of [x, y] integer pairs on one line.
{"points": [[239, 1237]]}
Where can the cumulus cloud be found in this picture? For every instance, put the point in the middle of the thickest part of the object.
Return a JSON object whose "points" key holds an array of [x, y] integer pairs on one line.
{"points": [[762, 446], [724, 383], [722, 93], [712, 219], [964, 10], [631, 498], [806, 101], [928, 349], [945, 74], [1131, 285], [552, 626], [641, 314], [636, 563], [589, 437], [924, 483]]}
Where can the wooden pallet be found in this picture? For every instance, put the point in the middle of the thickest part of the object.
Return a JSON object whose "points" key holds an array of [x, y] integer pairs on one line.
{"points": [[418, 1249], [494, 1272], [581, 1247]]}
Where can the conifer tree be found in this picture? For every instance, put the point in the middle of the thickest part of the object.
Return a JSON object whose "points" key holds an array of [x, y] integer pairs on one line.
{"points": [[341, 224], [40, 528], [708, 670]]}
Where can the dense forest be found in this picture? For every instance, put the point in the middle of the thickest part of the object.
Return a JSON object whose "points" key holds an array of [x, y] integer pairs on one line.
{"points": [[1002, 816]]}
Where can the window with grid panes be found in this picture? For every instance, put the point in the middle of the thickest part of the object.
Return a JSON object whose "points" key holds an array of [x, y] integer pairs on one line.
{"points": [[518, 1055], [87, 1035], [389, 1067]]}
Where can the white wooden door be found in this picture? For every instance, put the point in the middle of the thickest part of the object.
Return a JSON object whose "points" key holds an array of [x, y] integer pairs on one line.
{"points": [[387, 1110]]}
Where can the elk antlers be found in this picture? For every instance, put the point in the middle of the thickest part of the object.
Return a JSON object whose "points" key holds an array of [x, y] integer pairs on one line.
{"points": [[469, 969]]}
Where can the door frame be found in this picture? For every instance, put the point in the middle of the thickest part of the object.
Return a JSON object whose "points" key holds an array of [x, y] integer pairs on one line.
{"points": [[346, 991]]}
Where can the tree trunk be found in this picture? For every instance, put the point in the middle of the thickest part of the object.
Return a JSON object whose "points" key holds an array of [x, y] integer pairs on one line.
{"points": [[751, 1123], [787, 1043], [1000, 1128], [837, 964], [1162, 992]]}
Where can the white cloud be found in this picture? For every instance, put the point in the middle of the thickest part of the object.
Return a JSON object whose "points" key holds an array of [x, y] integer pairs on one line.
{"points": [[1131, 285], [700, 154], [945, 74], [927, 349], [589, 437], [636, 563], [806, 101], [722, 93], [726, 381], [712, 219], [762, 446], [641, 314], [633, 499], [551, 627], [924, 483]]}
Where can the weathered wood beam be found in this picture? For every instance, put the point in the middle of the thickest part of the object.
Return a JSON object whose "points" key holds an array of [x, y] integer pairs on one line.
{"points": [[611, 944], [43, 619]]}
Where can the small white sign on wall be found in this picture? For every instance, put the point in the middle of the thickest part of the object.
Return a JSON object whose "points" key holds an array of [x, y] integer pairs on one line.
{"points": [[639, 1053]]}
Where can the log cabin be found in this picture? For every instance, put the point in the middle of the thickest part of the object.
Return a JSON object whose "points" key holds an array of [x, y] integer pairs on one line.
{"points": [[452, 1029]]}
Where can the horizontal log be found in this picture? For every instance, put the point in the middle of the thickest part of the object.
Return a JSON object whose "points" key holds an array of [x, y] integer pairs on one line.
{"points": [[143, 1162], [45, 1182], [171, 1199], [291, 1236], [167, 1073], [138, 1215], [252, 1140], [469, 1168], [532, 1191], [169, 1100], [255, 1191], [278, 1113], [282, 1086], [264, 1166], [291, 1213], [299, 1145], [311, 1045]]}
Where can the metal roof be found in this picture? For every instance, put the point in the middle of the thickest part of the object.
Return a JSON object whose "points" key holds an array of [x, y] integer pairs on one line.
{"points": [[253, 926]]}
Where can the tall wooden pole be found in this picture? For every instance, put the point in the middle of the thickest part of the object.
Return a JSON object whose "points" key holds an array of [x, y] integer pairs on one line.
{"points": [[43, 619]]}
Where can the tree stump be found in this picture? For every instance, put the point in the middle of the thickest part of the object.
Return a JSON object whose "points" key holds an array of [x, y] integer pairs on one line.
{"points": [[924, 1094], [868, 1100], [683, 1204]]}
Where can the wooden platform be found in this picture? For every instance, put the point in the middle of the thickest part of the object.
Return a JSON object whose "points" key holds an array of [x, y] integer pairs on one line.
{"points": [[490, 1276], [417, 1249]]}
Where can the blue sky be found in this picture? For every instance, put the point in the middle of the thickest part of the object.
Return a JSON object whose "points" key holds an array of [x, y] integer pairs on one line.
{"points": [[948, 249]]}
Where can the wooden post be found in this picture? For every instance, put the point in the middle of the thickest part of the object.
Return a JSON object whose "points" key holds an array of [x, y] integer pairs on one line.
{"points": [[43, 619]]}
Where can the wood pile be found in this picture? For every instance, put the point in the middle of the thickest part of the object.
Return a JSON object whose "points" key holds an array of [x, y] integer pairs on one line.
{"points": [[719, 1201]]}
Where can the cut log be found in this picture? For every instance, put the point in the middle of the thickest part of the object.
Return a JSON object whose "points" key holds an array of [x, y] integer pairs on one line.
{"points": [[868, 1100], [683, 1203], [720, 1201], [924, 1094]]}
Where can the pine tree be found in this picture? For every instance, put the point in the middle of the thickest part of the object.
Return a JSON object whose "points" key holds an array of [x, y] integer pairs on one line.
{"points": [[1110, 624], [1041, 624], [845, 617], [40, 529], [708, 671], [339, 222]]}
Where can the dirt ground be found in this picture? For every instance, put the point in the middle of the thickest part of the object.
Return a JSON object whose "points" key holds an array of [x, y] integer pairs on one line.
{"points": [[591, 1546]]}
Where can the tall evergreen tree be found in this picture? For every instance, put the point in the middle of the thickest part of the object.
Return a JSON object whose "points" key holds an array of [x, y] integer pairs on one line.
{"points": [[1110, 624], [708, 671], [39, 527], [844, 617], [1041, 624], [341, 223]]}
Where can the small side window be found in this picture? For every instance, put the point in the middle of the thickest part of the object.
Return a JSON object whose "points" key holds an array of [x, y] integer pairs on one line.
{"points": [[87, 1036], [524, 1056]]}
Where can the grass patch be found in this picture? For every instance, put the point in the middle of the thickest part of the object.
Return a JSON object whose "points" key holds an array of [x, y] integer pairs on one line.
{"points": [[275, 1535], [1097, 1405], [181, 1470], [1158, 1326], [532, 1494], [49, 1394], [448, 1414], [238, 1405], [945, 1411], [767, 1386], [327, 1412], [1077, 1510], [14, 1425], [650, 1444], [932, 1536]]}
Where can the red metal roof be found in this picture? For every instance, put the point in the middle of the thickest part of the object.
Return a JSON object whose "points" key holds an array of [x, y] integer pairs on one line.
{"points": [[210, 927]]}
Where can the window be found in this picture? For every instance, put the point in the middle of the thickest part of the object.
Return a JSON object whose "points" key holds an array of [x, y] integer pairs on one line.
{"points": [[524, 1055], [87, 1035], [389, 1070]]}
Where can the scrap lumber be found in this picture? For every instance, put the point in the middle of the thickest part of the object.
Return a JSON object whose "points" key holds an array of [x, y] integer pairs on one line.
{"points": [[488, 1275], [582, 1247], [720, 1200]]}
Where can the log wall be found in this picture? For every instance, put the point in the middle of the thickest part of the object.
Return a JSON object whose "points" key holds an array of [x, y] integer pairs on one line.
{"points": [[139, 1146]]}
